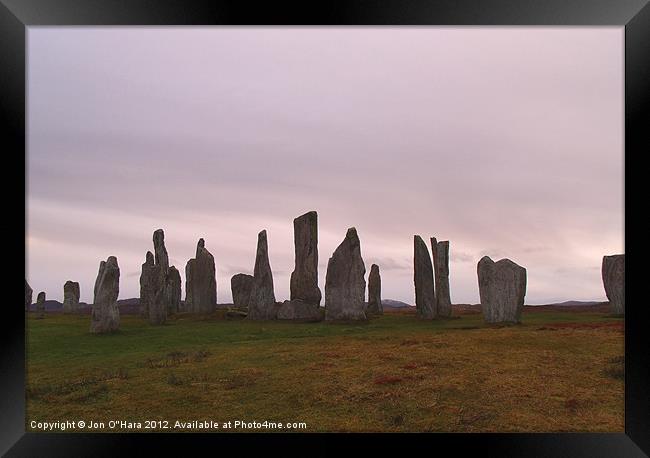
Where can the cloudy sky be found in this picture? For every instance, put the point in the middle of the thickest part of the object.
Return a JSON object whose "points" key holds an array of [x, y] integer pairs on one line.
{"points": [[505, 141]]}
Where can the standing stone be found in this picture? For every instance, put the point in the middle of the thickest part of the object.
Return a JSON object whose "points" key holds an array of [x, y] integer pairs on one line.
{"points": [[613, 272], [189, 285], [146, 284], [161, 257], [105, 313], [40, 305], [158, 296], [28, 296], [345, 286], [374, 291], [71, 297], [304, 278], [425, 300], [173, 290], [241, 286], [502, 287], [261, 305], [201, 281], [440, 253]]}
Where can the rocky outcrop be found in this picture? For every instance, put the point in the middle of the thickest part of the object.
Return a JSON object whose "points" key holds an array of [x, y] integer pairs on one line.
{"points": [[40, 305], [201, 281], [28, 296], [345, 286], [71, 297], [105, 315], [425, 299], [613, 272], [241, 286], [261, 304], [440, 254], [298, 310], [502, 287], [173, 290], [304, 278], [374, 291]]}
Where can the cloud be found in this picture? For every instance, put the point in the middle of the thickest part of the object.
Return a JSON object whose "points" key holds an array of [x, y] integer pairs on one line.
{"points": [[219, 133]]}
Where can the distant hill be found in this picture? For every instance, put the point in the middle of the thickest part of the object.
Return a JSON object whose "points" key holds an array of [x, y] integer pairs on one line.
{"points": [[577, 303], [390, 303]]}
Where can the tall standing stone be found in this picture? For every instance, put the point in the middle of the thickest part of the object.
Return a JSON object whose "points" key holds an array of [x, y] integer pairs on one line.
{"points": [[502, 287], [613, 272], [147, 284], [40, 305], [304, 278], [440, 253], [241, 286], [28, 296], [261, 305], [374, 291], [345, 285], [71, 297], [105, 313], [425, 300], [173, 290], [161, 257], [201, 281]]}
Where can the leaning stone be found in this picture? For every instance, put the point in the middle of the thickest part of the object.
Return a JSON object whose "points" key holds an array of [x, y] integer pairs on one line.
{"points": [[502, 287], [374, 291], [40, 305], [28, 296], [298, 310], [345, 285], [613, 272], [71, 297], [261, 305], [425, 300], [304, 278], [105, 313], [241, 286], [440, 253]]}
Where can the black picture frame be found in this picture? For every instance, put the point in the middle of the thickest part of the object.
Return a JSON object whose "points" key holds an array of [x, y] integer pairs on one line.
{"points": [[634, 15]]}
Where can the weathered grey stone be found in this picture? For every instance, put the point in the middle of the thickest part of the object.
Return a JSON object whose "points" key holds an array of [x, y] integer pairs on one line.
{"points": [[71, 297], [613, 272], [304, 278], [299, 311], [440, 254], [105, 313], [241, 286], [425, 299], [147, 284], [161, 257], [173, 290], [201, 281], [158, 296], [345, 285], [40, 305], [502, 287], [28, 295], [189, 285], [374, 291], [261, 305]]}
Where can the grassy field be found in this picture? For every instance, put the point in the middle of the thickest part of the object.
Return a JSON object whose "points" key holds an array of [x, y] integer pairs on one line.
{"points": [[558, 371]]}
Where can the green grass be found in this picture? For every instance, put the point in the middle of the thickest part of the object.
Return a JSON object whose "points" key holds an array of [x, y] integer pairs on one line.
{"points": [[558, 371]]}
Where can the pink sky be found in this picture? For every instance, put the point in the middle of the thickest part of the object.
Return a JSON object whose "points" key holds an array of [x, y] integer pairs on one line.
{"points": [[505, 141]]}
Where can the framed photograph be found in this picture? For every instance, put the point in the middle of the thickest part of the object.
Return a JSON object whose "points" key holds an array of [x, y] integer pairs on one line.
{"points": [[284, 221]]}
